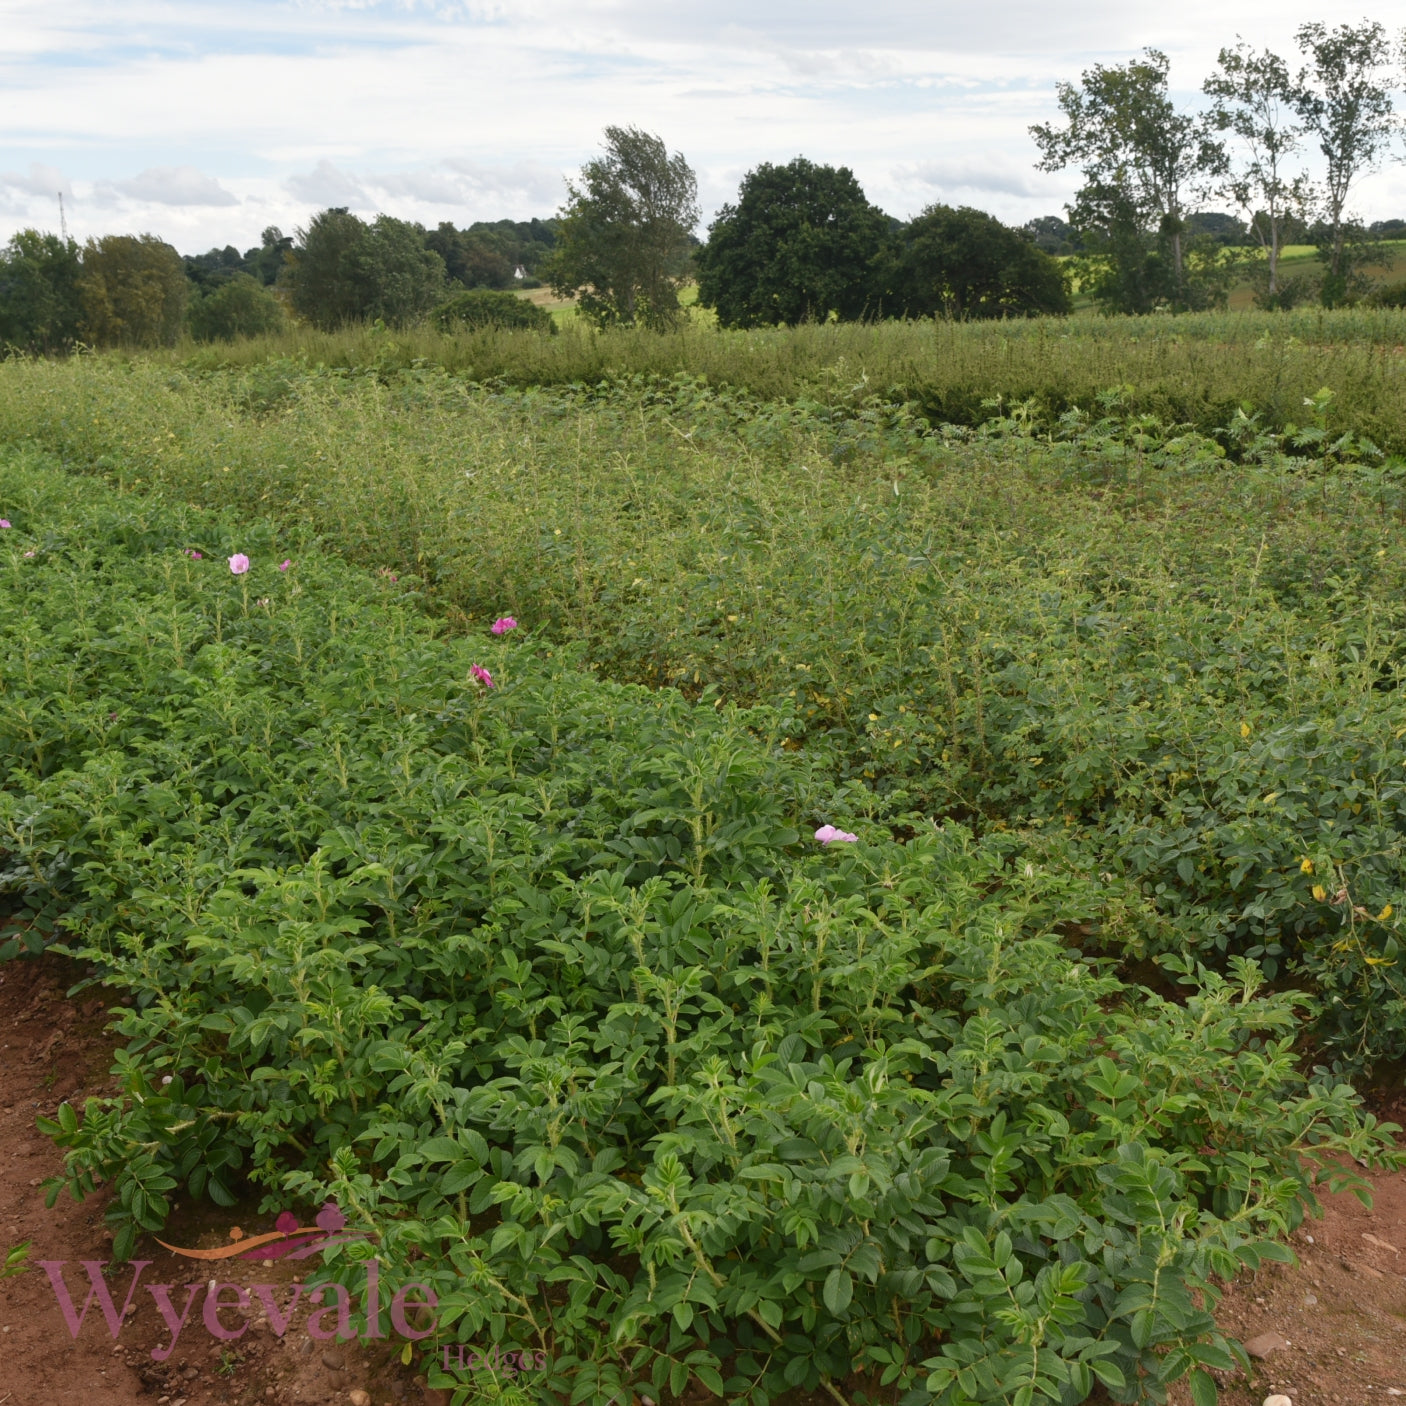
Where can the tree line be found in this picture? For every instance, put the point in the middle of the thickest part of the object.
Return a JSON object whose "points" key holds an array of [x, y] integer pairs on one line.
{"points": [[1146, 164], [801, 241], [136, 290]]}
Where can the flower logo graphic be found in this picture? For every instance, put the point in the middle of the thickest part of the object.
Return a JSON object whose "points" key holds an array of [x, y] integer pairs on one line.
{"points": [[288, 1239]]}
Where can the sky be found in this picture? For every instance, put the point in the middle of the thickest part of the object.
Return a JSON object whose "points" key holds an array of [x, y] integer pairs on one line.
{"points": [[205, 122]]}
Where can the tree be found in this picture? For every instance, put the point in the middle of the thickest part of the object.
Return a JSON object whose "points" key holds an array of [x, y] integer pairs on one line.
{"points": [[239, 306], [964, 263], [469, 260], [626, 232], [267, 262], [1142, 160], [322, 285], [1254, 94], [799, 245], [40, 300], [1344, 100], [399, 279], [344, 270], [1053, 235], [133, 291]]}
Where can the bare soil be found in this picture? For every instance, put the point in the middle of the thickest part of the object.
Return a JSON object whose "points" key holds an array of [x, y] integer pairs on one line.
{"points": [[1341, 1311], [53, 1048]]}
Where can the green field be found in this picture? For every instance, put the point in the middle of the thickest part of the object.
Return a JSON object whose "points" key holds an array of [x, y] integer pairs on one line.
{"points": [[1090, 633]]}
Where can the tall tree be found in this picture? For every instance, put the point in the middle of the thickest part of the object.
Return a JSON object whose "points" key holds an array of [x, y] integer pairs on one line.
{"points": [[40, 297], [626, 233], [344, 270], [1255, 96], [133, 290], [1344, 101], [1142, 160], [799, 245], [964, 263], [322, 284]]}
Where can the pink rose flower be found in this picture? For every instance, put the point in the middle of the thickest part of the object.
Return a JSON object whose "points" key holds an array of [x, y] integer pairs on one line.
{"points": [[482, 675], [4, 522], [285, 564], [239, 564], [827, 834], [503, 625]]}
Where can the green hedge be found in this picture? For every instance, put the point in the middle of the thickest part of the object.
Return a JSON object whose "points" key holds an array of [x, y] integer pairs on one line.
{"points": [[479, 308]]}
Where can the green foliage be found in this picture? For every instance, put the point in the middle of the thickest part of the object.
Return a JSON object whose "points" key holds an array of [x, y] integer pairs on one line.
{"points": [[264, 263], [132, 292], [1141, 158], [1254, 97], [625, 234], [40, 308], [798, 246], [1343, 100], [544, 986], [14, 1262], [480, 308], [1062, 634], [1393, 295], [487, 254], [343, 270], [962, 263], [1197, 369], [240, 306]]}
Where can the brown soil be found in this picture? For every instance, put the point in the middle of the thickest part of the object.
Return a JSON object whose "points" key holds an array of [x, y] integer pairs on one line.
{"points": [[1341, 1309], [51, 1049]]}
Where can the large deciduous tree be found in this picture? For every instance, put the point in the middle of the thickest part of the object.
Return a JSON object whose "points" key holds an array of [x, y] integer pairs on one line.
{"points": [[800, 244], [1344, 102], [40, 296], [1143, 160], [626, 232], [964, 263], [133, 291], [344, 270], [1255, 97]]}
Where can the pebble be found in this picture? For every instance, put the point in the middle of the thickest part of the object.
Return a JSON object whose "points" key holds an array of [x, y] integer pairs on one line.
{"points": [[1310, 1300], [1264, 1344], [359, 1398], [332, 1359], [1277, 1400]]}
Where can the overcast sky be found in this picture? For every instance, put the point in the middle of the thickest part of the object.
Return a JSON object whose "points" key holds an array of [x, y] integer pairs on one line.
{"points": [[206, 120]]}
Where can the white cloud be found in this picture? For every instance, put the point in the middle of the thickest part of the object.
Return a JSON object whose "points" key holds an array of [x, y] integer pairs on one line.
{"points": [[430, 109], [173, 185], [40, 179], [325, 185], [973, 174]]}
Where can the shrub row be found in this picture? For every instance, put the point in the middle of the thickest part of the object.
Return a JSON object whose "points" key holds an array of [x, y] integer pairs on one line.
{"points": [[549, 987], [1172, 661]]}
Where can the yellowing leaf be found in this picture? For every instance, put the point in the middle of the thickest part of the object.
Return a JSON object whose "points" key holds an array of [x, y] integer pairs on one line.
{"points": [[1319, 892], [1244, 729], [1307, 866]]}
